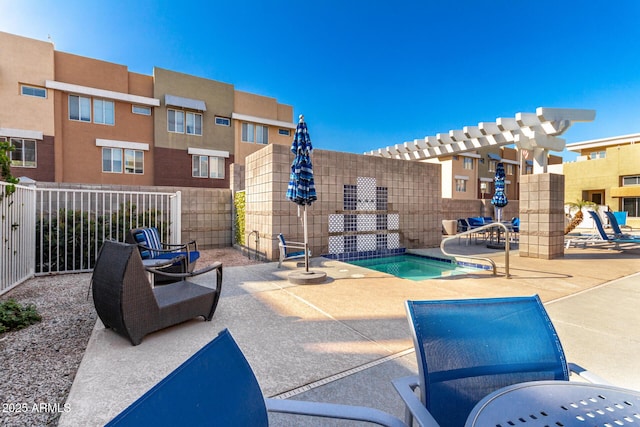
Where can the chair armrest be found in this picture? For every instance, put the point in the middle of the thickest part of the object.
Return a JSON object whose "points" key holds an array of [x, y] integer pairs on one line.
{"points": [[214, 266], [405, 387], [299, 245], [332, 410], [589, 376], [161, 262]]}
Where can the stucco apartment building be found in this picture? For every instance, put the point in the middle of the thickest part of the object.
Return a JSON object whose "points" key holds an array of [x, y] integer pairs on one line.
{"points": [[470, 175], [606, 172], [75, 119]]}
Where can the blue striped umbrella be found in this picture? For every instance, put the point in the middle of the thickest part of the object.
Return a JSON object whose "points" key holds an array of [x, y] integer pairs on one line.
{"points": [[499, 199], [302, 189]]}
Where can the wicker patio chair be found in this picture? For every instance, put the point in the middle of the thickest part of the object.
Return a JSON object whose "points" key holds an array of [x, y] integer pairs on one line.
{"points": [[126, 302], [153, 250]]}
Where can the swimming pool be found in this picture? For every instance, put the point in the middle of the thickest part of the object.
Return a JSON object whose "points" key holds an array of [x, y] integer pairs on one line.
{"points": [[414, 267]]}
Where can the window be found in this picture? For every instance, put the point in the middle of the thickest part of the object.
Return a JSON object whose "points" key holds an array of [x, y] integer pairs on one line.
{"points": [[248, 132], [38, 92], [631, 180], [175, 121], [598, 155], [461, 185], [24, 154], [262, 134], [111, 160], [223, 121], [285, 132], [134, 162], [103, 112], [141, 109], [509, 169], [631, 205], [468, 163], [194, 123], [205, 166], [79, 108], [493, 164]]}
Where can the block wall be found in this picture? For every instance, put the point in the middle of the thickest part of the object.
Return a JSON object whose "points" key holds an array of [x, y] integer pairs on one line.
{"points": [[542, 216]]}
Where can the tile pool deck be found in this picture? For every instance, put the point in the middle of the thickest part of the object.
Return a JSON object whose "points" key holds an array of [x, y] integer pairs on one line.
{"points": [[344, 340]]}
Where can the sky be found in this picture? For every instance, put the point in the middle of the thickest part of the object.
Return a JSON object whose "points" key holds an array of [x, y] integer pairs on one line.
{"points": [[370, 74]]}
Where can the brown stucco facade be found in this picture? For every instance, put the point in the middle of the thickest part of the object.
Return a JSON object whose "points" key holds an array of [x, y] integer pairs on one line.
{"points": [[27, 63]]}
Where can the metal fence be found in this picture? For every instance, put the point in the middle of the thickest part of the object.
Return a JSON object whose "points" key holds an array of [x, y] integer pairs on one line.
{"points": [[62, 230], [17, 235]]}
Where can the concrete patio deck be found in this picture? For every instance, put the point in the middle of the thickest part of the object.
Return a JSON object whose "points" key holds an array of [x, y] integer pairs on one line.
{"points": [[344, 340]]}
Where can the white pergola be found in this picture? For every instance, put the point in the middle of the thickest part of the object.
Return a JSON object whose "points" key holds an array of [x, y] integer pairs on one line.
{"points": [[536, 132]]}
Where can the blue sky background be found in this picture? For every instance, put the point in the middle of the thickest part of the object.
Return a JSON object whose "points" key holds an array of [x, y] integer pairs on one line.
{"points": [[371, 74]]}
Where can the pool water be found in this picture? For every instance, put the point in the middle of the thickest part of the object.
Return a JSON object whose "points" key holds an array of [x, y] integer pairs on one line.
{"points": [[413, 267]]}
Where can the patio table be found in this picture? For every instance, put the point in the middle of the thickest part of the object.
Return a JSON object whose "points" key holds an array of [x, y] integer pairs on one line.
{"points": [[557, 403]]}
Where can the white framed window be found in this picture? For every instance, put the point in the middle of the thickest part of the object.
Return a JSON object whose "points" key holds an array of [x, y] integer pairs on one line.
{"points": [[461, 185], [24, 153], [103, 112], [223, 121], [467, 163], [248, 132], [111, 160], [598, 155], [194, 123], [207, 166], [631, 180], [510, 169], [175, 121], [285, 132], [262, 134], [493, 164], [79, 108], [134, 162], [38, 92], [141, 109]]}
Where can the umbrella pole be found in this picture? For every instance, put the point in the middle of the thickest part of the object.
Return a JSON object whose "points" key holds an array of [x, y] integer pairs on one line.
{"points": [[306, 241]]}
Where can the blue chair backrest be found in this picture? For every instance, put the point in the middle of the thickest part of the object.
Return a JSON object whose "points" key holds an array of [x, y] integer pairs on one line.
{"points": [[515, 223], [598, 222], [469, 348], [475, 221], [613, 221], [149, 237], [214, 387]]}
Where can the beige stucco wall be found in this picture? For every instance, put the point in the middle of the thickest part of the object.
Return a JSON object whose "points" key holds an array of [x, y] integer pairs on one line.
{"points": [[218, 98], [606, 175], [25, 61], [413, 193], [266, 108]]}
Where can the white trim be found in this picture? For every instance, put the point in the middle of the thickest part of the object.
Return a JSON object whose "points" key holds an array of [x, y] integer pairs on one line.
{"points": [[101, 93], [263, 121], [474, 155], [21, 133], [461, 177], [486, 179], [122, 144], [185, 103], [511, 162], [604, 142], [210, 153]]}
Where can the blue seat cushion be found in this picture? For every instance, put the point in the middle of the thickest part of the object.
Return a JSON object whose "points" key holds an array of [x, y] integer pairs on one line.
{"points": [[298, 253], [193, 255]]}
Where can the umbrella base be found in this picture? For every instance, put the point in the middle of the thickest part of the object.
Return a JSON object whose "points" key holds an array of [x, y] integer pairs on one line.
{"points": [[307, 278]]}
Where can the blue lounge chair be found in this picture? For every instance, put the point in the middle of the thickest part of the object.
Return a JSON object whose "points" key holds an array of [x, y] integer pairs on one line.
{"points": [[619, 242], [286, 254], [615, 226], [216, 387], [469, 348]]}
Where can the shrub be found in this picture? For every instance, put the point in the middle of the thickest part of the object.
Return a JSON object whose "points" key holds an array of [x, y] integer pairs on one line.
{"points": [[14, 316]]}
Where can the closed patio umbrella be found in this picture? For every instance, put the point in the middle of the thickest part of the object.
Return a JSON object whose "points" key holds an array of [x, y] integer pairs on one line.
{"points": [[301, 189], [499, 199]]}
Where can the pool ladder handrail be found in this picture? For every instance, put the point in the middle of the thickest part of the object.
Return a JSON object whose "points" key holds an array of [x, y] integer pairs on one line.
{"points": [[489, 260]]}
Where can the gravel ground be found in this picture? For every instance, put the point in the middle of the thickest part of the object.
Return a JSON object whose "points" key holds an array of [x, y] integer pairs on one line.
{"points": [[38, 363]]}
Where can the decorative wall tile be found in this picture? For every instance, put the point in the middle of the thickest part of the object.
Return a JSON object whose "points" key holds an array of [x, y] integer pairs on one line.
{"points": [[393, 240], [381, 222], [366, 222], [336, 223], [382, 198], [381, 242], [366, 242], [350, 222], [350, 197], [393, 222], [336, 244], [350, 244], [366, 193]]}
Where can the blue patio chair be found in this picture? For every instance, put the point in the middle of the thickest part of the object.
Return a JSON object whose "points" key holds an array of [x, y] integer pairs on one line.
{"points": [[217, 387], [286, 254], [469, 348], [624, 242], [616, 225]]}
